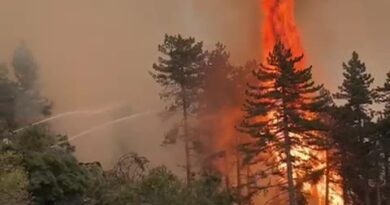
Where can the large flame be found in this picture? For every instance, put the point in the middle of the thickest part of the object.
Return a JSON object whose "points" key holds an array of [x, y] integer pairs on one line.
{"points": [[279, 25]]}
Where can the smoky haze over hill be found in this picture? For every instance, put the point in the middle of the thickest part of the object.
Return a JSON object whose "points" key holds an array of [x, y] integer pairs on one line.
{"points": [[97, 53]]}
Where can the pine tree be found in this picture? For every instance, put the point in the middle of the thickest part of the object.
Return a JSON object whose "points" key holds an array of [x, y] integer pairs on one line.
{"points": [[281, 116], [180, 73], [354, 129], [384, 133], [356, 88]]}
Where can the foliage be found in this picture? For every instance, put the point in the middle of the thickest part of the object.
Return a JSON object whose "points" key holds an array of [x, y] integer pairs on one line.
{"points": [[180, 71], [207, 190], [13, 178], [157, 186], [54, 174]]}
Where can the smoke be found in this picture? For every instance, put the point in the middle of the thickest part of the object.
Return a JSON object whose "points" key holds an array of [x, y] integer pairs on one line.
{"points": [[332, 29], [96, 52]]}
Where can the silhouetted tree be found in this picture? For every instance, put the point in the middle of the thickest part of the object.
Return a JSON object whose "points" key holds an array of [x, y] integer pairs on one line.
{"points": [[354, 132], [180, 71], [383, 130]]}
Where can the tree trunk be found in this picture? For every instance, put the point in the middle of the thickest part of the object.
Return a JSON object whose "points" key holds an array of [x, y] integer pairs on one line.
{"points": [[186, 138], [367, 200], [378, 181], [378, 194], [290, 172], [248, 187], [292, 194], [345, 194], [239, 184], [327, 177], [344, 177], [387, 178], [227, 182]]}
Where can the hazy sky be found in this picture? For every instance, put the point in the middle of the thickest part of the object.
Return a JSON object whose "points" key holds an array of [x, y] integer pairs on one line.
{"points": [[94, 53], [332, 29]]}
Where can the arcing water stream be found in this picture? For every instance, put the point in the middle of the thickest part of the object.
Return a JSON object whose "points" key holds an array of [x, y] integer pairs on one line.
{"points": [[109, 123], [69, 113]]}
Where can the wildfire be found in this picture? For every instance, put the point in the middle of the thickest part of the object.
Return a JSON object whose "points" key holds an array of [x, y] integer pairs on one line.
{"points": [[279, 25]]}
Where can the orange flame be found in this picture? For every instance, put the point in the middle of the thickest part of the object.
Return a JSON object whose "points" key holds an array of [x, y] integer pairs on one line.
{"points": [[280, 26]]}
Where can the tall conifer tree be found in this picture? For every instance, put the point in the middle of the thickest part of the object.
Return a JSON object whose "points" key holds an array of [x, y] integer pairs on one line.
{"points": [[384, 134], [281, 116], [180, 71], [354, 131]]}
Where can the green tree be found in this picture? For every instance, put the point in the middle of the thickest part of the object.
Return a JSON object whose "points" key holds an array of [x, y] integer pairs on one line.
{"points": [[162, 187], [281, 116], [13, 177], [354, 130], [180, 73], [54, 174], [208, 190], [132, 182]]}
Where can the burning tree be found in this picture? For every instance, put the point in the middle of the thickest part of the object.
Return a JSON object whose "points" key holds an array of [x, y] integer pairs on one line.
{"points": [[281, 115]]}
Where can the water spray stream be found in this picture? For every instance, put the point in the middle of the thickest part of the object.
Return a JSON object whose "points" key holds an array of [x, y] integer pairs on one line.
{"points": [[76, 112], [109, 123]]}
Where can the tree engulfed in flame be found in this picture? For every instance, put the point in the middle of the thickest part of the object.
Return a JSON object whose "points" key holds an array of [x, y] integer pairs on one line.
{"points": [[279, 25]]}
